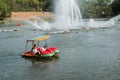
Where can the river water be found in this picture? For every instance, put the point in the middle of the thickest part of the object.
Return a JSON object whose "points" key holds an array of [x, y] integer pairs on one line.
{"points": [[84, 55]]}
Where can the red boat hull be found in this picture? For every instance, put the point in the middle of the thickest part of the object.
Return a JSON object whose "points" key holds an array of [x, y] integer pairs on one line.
{"points": [[49, 52]]}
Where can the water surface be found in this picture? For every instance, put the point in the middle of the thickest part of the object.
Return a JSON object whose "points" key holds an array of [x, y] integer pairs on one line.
{"points": [[92, 55]]}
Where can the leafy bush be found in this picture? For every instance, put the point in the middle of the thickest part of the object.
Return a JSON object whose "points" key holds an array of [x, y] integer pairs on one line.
{"points": [[4, 10]]}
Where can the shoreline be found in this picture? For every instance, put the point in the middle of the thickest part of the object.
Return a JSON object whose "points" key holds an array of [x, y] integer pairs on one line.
{"points": [[28, 15]]}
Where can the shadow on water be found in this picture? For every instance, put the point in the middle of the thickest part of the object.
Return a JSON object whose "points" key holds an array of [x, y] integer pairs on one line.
{"points": [[41, 60]]}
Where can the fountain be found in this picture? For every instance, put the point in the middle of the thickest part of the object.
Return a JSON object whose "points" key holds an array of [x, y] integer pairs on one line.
{"points": [[42, 25], [33, 23], [67, 14]]}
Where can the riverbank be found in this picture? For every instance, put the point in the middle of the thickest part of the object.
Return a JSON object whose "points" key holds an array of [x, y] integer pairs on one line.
{"points": [[27, 15]]}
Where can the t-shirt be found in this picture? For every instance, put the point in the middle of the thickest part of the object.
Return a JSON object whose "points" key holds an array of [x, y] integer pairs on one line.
{"points": [[35, 50]]}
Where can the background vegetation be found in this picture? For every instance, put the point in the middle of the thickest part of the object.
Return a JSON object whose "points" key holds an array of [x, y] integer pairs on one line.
{"points": [[89, 8]]}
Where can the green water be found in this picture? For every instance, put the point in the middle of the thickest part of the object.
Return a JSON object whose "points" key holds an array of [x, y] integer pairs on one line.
{"points": [[92, 55]]}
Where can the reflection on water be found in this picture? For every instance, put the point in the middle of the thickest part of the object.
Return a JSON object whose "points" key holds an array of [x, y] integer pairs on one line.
{"points": [[84, 55]]}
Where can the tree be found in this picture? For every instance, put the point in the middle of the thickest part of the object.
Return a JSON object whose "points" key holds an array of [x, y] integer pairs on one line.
{"points": [[116, 7], [103, 8], [48, 6], [32, 5], [4, 10], [96, 8]]}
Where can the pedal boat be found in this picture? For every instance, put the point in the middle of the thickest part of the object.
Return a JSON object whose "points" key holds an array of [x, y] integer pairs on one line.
{"points": [[48, 53]]}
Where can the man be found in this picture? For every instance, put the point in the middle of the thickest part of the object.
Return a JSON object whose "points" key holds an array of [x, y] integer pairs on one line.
{"points": [[34, 49]]}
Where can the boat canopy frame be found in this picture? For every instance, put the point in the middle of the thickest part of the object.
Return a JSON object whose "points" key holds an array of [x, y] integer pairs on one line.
{"points": [[37, 39]]}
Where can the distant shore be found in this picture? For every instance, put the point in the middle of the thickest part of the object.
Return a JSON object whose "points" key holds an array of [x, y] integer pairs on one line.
{"points": [[27, 15]]}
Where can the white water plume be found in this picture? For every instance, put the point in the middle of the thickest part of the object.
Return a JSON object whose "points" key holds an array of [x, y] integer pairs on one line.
{"points": [[67, 14]]}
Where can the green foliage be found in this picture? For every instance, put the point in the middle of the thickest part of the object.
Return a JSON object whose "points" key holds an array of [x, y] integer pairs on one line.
{"points": [[4, 10], [116, 7], [89, 8], [32, 5], [96, 8]]}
